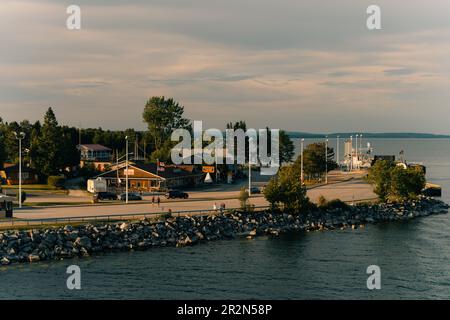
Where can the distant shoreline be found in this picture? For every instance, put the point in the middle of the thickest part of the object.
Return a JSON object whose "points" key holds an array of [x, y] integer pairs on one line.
{"points": [[405, 135]]}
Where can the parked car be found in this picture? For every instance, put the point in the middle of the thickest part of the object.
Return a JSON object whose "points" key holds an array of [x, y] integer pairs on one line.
{"points": [[176, 194], [254, 190], [131, 196], [106, 196]]}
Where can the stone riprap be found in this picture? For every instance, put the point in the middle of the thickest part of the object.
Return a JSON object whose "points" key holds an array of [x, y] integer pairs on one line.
{"points": [[67, 242]]}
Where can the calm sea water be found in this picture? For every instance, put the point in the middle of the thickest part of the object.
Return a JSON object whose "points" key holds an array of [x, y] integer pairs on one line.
{"points": [[414, 259]]}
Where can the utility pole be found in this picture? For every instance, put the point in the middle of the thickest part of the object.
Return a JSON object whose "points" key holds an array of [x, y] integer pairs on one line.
{"points": [[326, 160], [357, 152], [351, 154], [20, 136], [249, 178], [217, 174], [126, 174], [337, 151], [302, 177], [360, 142]]}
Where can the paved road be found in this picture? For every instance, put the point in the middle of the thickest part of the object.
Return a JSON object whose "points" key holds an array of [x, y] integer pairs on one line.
{"points": [[354, 189]]}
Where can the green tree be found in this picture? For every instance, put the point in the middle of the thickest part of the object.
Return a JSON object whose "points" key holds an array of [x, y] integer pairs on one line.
{"points": [[272, 192], [162, 117], [406, 183], [48, 147], [314, 163], [286, 147], [380, 177], [287, 189], [395, 182]]}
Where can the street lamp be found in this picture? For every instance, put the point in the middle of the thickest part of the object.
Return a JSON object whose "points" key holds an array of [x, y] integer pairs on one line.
{"points": [[20, 136], [126, 171], [351, 153], [337, 151], [302, 177], [326, 160], [356, 148]]}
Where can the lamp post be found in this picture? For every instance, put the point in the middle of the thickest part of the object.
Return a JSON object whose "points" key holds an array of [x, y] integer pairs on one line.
{"points": [[126, 173], [357, 166], [20, 136], [337, 151], [351, 153], [250, 140], [360, 142], [302, 177], [326, 160]]}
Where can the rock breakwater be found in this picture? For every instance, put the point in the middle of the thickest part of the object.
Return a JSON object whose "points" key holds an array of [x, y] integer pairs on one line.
{"points": [[18, 246]]}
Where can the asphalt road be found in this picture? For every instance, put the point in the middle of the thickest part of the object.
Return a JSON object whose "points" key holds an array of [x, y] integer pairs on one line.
{"points": [[353, 190]]}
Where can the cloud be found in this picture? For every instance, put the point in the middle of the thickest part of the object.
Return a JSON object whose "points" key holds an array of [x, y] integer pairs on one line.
{"points": [[309, 66]]}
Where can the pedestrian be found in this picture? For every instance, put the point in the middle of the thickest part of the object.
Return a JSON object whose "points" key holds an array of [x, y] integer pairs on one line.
{"points": [[158, 200], [215, 207], [153, 200]]}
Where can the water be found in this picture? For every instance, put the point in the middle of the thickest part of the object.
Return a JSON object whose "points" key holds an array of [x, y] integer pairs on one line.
{"points": [[413, 257]]}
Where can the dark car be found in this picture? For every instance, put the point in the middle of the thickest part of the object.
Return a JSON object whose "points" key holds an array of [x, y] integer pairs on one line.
{"points": [[106, 196], [131, 197], [176, 194], [254, 190]]}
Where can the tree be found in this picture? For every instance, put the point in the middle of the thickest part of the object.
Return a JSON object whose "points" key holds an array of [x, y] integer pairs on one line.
{"points": [[286, 147], [406, 183], [395, 182], [162, 117], [314, 163], [48, 149], [380, 177], [272, 192], [287, 189]]}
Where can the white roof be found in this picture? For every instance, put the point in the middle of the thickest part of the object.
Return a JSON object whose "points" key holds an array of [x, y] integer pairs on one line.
{"points": [[4, 198]]}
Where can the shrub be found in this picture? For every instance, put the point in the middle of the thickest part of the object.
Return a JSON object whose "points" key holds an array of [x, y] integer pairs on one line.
{"points": [[56, 181], [167, 215], [337, 204], [287, 189], [243, 198], [322, 202]]}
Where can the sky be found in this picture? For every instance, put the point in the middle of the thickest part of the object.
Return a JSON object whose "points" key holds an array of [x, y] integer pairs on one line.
{"points": [[296, 65]]}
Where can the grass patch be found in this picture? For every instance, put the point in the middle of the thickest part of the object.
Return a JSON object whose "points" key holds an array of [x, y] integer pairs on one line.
{"points": [[51, 204]]}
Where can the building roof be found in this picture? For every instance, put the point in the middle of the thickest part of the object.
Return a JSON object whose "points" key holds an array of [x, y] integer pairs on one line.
{"points": [[15, 168], [93, 147], [168, 173]]}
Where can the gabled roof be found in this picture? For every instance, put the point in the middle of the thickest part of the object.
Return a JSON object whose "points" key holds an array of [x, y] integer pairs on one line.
{"points": [[93, 147], [15, 168], [168, 173]]}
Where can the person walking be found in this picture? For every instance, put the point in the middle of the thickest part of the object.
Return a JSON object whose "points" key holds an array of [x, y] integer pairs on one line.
{"points": [[158, 200], [153, 200]]}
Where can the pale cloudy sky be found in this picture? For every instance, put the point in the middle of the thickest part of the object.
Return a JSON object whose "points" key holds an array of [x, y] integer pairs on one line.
{"points": [[296, 65]]}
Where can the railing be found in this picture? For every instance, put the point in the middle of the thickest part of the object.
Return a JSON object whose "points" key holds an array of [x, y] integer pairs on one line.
{"points": [[112, 217]]}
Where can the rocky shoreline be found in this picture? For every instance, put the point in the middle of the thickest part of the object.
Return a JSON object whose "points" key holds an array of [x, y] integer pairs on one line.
{"points": [[69, 242]]}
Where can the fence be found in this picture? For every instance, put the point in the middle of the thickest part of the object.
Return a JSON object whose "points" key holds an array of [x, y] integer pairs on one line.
{"points": [[5, 223]]}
